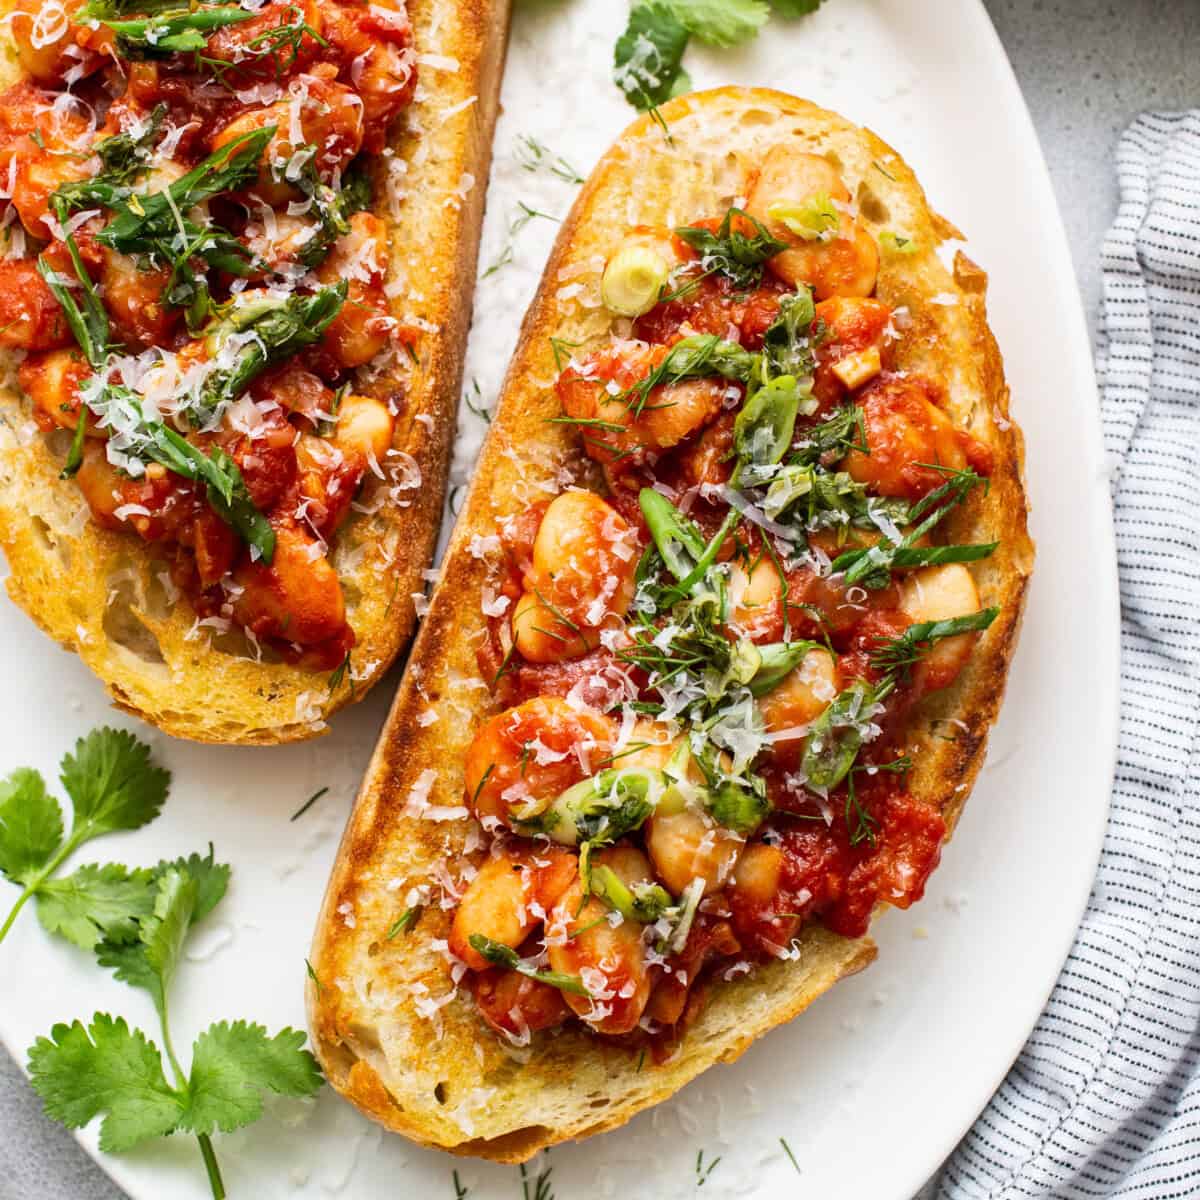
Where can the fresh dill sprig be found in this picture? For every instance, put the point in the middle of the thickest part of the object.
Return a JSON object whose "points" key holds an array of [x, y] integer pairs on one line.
{"points": [[534, 156]]}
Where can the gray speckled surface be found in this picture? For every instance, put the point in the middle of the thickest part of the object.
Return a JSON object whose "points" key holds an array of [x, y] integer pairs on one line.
{"points": [[1086, 66]]}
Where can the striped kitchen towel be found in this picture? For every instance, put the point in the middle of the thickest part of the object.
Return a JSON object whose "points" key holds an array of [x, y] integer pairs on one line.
{"points": [[1105, 1098]]}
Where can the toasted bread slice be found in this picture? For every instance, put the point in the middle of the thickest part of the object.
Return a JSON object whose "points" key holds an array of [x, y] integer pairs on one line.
{"points": [[391, 1032], [103, 595]]}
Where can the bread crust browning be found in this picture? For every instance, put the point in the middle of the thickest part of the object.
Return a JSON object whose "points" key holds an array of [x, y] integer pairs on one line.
{"points": [[102, 594], [392, 1035]]}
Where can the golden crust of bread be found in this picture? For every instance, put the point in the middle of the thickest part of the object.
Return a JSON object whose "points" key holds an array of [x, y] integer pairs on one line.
{"points": [[102, 594], [391, 1034]]}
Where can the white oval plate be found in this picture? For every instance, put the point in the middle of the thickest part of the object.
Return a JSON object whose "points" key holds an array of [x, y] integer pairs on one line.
{"points": [[899, 1059]]}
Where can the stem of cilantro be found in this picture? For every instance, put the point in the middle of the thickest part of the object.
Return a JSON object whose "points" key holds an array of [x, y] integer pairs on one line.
{"points": [[31, 887], [211, 1166]]}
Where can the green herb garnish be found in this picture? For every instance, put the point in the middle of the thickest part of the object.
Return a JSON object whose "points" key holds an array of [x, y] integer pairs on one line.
{"points": [[404, 922], [738, 255], [113, 786], [106, 1069], [896, 655], [500, 955]]}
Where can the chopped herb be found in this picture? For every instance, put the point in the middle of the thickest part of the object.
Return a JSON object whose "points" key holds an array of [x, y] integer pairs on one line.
{"points": [[703, 1172], [173, 32], [282, 44], [500, 955], [534, 156], [731, 251], [697, 356], [473, 398], [788, 1151], [340, 673], [313, 976], [406, 921], [308, 804], [898, 654], [541, 1184]]}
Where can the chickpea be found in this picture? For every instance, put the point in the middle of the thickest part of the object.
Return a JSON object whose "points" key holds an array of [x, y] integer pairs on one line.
{"points": [[509, 898], [39, 173], [100, 484], [842, 262], [541, 636], [765, 916], [936, 594], [364, 427], [133, 298], [671, 412], [51, 381], [905, 429], [362, 328], [851, 352], [756, 599], [610, 960], [297, 596], [329, 479], [524, 757], [690, 845], [584, 561], [329, 115], [802, 696], [758, 873]]}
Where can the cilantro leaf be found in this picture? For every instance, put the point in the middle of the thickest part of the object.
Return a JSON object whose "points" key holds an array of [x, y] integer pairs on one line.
{"points": [[96, 902], [108, 1068], [720, 22], [31, 827], [112, 783], [211, 879], [231, 1067], [183, 892], [796, 8], [648, 58], [150, 962]]}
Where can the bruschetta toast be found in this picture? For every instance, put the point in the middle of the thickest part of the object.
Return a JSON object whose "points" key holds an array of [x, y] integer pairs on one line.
{"points": [[718, 640], [241, 246]]}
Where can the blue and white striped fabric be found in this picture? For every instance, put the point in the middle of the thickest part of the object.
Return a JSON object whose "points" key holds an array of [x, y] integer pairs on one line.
{"points": [[1105, 1098]]}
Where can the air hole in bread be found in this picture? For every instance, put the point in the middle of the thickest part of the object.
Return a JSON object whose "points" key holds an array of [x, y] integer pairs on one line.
{"points": [[159, 592], [122, 624], [49, 541], [870, 205]]}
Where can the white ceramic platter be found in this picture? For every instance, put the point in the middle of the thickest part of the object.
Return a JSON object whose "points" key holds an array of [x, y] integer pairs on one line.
{"points": [[873, 1087]]}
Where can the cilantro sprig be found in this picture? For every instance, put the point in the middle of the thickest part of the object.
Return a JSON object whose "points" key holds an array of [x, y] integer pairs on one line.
{"points": [[106, 1069], [113, 786]]}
